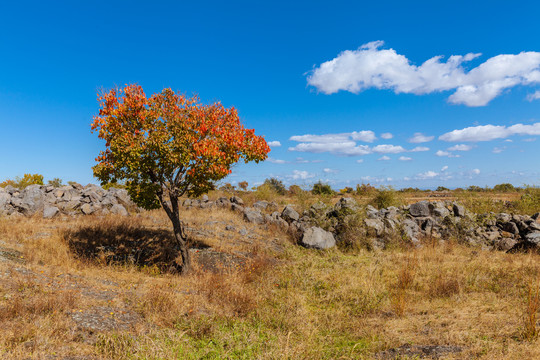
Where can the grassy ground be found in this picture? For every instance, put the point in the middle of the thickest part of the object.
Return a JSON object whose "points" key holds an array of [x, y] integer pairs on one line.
{"points": [[82, 287]]}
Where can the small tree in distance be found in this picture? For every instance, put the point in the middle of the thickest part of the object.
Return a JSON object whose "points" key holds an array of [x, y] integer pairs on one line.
{"points": [[243, 185], [167, 146]]}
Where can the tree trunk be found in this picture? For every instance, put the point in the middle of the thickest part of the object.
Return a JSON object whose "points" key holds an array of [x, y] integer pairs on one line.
{"points": [[173, 212]]}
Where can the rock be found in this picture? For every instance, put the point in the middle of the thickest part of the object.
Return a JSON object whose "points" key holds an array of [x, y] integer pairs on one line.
{"points": [[262, 205], [375, 227], [458, 210], [510, 227], [31, 202], [87, 209], [237, 208], [440, 211], [317, 238], [187, 202], [76, 186], [207, 204], [204, 197], [289, 214], [505, 244], [50, 211], [5, 200], [253, 216], [119, 210], [237, 200], [503, 218], [223, 202], [420, 209], [346, 203], [533, 237]]}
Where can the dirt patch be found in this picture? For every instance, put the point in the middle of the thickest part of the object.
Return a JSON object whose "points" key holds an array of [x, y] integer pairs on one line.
{"points": [[418, 351], [105, 318]]}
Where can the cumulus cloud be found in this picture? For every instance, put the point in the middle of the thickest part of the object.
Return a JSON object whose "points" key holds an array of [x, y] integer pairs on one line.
{"points": [[330, 171], [383, 158], [460, 147], [301, 175], [360, 161], [276, 161], [490, 132], [420, 138], [388, 149], [370, 66], [274, 144], [534, 96], [420, 148], [476, 171], [446, 153], [404, 158], [365, 136], [444, 168], [427, 175], [387, 136], [498, 150]]}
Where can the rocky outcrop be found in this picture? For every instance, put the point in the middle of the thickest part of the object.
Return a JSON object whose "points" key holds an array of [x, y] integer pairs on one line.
{"points": [[435, 221], [48, 201]]}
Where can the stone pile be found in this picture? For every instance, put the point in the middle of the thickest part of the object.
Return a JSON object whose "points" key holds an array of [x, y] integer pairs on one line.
{"points": [[74, 199], [322, 226]]}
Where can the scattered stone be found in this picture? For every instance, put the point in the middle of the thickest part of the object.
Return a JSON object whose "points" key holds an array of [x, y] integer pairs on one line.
{"points": [[317, 238], [119, 210], [50, 211], [253, 216], [237, 200], [420, 209], [289, 214], [418, 351]]}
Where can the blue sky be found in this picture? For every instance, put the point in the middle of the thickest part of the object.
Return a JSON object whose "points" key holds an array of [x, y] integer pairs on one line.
{"points": [[343, 72]]}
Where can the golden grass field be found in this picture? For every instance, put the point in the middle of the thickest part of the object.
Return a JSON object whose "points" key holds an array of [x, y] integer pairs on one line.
{"points": [[67, 293]]}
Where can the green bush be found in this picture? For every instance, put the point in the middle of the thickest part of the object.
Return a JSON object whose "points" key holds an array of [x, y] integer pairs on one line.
{"points": [[56, 182], [321, 189], [506, 187], [385, 197], [365, 189], [276, 185], [26, 180]]}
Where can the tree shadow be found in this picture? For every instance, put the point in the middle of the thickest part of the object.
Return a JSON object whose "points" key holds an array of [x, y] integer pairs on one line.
{"points": [[123, 243]]}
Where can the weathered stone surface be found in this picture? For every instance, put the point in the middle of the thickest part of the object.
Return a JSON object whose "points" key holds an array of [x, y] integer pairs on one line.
{"points": [[253, 216], [119, 210], [87, 209], [289, 214], [317, 238], [458, 210], [50, 211], [420, 209], [261, 205], [237, 200], [31, 200], [375, 227]]}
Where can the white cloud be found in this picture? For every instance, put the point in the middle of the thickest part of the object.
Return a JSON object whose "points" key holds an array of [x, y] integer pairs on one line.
{"points": [[460, 147], [444, 168], [300, 160], [360, 161], [498, 150], [383, 158], [476, 171], [387, 136], [404, 158], [529, 140], [276, 161], [446, 153], [365, 136], [301, 175], [274, 144], [420, 138], [420, 148], [373, 67], [534, 96], [348, 148], [427, 175], [490, 132], [330, 171], [388, 149]]}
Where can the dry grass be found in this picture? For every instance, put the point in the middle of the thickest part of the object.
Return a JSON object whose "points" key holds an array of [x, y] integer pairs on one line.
{"points": [[250, 296]]}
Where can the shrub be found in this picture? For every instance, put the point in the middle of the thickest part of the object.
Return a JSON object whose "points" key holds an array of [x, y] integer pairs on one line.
{"points": [[365, 189], [227, 188], [506, 187], [347, 190], [295, 190], [243, 185], [276, 185], [442, 188], [321, 189], [26, 180], [56, 182], [385, 197]]}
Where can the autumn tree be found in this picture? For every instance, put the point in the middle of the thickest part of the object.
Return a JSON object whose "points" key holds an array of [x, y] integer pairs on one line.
{"points": [[169, 145], [243, 185]]}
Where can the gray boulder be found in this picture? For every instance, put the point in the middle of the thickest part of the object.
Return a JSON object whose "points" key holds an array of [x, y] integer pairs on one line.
{"points": [[237, 200], [50, 211], [317, 238], [119, 210], [289, 214], [253, 216], [420, 209], [375, 227], [31, 200], [261, 205]]}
